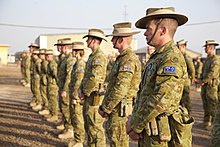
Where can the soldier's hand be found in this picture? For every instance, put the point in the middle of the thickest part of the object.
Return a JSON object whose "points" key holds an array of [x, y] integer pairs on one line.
{"points": [[134, 136], [128, 125], [63, 94], [102, 113]]}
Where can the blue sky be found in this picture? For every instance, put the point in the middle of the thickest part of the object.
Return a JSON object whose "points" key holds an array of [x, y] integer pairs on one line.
{"points": [[102, 14]]}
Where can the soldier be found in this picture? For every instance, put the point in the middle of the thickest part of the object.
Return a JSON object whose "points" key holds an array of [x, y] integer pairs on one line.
{"points": [[215, 134], [23, 58], [150, 50], [32, 47], [43, 82], [27, 70], [111, 62], [157, 119], [91, 89], [65, 66], [36, 81], [52, 86], [185, 101], [75, 102], [122, 88], [198, 68], [209, 82]]}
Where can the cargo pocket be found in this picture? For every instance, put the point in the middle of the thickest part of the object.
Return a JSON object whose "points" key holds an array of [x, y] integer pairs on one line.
{"points": [[181, 125]]}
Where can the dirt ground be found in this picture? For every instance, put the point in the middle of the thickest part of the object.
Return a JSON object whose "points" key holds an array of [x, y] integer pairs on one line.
{"points": [[21, 126]]}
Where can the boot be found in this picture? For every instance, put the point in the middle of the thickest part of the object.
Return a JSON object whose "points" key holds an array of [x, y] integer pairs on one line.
{"points": [[47, 115], [44, 112], [66, 135], [75, 144], [37, 107], [54, 118], [27, 85], [32, 104], [61, 127]]}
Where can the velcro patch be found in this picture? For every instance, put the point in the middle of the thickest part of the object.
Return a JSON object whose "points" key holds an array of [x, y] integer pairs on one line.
{"points": [[169, 69], [79, 70], [215, 62], [97, 62]]}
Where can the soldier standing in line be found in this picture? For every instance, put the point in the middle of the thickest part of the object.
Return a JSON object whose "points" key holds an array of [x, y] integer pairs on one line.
{"points": [[185, 101], [36, 81], [157, 119], [209, 82], [64, 75], [215, 134], [91, 89], [27, 70], [198, 68], [76, 104], [52, 86], [43, 82], [32, 47], [111, 62], [122, 88], [23, 58]]}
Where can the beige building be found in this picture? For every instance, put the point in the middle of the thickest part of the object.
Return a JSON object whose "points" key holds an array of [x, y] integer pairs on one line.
{"points": [[4, 54], [48, 41]]}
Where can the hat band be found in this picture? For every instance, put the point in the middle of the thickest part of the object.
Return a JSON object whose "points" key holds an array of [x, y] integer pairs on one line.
{"points": [[78, 47], [96, 34], [122, 30], [161, 11]]}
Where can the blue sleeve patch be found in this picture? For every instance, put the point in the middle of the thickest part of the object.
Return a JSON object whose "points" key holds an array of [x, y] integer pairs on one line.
{"points": [[98, 62], [169, 69], [215, 62], [79, 70], [126, 68]]}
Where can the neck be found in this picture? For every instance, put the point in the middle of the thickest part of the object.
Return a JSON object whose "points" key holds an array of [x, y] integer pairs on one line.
{"points": [[162, 43]]}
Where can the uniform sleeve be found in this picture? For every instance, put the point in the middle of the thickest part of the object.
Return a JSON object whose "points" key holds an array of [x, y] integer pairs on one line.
{"points": [[97, 74], [213, 71], [54, 70], [191, 68], [69, 66], [122, 84], [38, 67], [169, 82]]}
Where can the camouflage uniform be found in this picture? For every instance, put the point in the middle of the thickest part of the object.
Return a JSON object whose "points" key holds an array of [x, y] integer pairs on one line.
{"points": [[95, 74], [52, 87], [198, 69], [156, 114], [122, 89], [185, 101], [27, 70], [64, 75], [36, 80], [209, 92], [23, 67], [215, 138], [43, 83], [75, 102]]}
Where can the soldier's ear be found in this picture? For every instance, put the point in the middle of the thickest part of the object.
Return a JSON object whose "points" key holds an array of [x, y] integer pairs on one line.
{"points": [[163, 31]]}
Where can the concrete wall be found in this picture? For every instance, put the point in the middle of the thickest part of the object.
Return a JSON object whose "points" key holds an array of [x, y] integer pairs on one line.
{"points": [[3, 54]]}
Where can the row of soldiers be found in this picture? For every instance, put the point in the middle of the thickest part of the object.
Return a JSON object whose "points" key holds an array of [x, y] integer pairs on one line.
{"points": [[145, 108]]}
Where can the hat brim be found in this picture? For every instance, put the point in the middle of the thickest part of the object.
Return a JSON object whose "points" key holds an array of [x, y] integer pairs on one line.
{"points": [[141, 23], [94, 36], [123, 34], [216, 44], [57, 44], [33, 46]]}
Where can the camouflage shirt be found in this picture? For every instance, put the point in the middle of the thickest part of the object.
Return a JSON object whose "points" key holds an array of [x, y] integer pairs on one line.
{"points": [[95, 72], [52, 72], [210, 69], [76, 77], [161, 86], [190, 67], [124, 80], [44, 64]]}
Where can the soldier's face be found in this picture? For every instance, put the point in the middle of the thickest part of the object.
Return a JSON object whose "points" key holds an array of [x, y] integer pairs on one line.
{"points": [[150, 30], [208, 49]]}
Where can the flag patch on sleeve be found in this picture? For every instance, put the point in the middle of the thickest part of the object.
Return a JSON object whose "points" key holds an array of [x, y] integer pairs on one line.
{"points": [[127, 67], [169, 69]]}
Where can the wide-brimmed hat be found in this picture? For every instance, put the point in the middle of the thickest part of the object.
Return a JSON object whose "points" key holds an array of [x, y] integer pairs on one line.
{"points": [[78, 45], [34, 45], [155, 13], [58, 42], [210, 42], [96, 33], [36, 51], [182, 41], [49, 52], [66, 42], [123, 29], [42, 51]]}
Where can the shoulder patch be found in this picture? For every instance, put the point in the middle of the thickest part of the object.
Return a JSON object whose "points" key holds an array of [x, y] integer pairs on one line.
{"points": [[174, 59], [127, 67], [97, 62], [169, 69], [72, 63], [79, 70], [215, 62]]}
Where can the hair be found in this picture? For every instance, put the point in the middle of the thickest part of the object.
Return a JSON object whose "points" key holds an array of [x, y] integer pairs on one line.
{"points": [[170, 23], [81, 52], [97, 38]]}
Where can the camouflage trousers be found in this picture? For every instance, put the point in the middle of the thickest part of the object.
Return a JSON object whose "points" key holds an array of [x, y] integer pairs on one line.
{"points": [[209, 94], [76, 115], [53, 99], [185, 101], [116, 131], [27, 76], [36, 89], [93, 125], [32, 87], [44, 96], [64, 104], [215, 137]]}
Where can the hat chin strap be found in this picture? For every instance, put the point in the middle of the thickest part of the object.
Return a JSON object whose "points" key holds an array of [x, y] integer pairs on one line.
{"points": [[155, 31]]}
